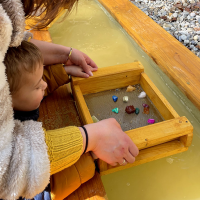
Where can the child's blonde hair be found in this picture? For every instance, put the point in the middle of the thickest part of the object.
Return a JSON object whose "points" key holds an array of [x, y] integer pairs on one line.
{"points": [[18, 60]]}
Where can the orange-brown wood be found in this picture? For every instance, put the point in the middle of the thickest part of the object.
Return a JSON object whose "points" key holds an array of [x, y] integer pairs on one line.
{"points": [[150, 154], [42, 35], [179, 63], [108, 78], [163, 106], [81, 105], [174, 128]]}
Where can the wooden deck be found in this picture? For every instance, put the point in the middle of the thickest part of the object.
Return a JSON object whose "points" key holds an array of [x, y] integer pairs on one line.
{"points": [[58, 110]]}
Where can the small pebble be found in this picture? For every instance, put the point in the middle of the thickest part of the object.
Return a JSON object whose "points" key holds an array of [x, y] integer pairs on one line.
{"points": [[130, 109], [142, 95], [114, 98], [180, 18], [125, 98], [130, 88], [145, 105], [115, 110], [146, 110], [94, 119], [137, 110], [151, 121]]}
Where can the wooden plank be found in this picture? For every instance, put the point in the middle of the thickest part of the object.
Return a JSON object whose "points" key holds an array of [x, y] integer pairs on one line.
{"points": [[41, 35], [151, 135], [163, 106], [179, 63], [108, 78], [81, 105], [91, 190], [150, 154]]}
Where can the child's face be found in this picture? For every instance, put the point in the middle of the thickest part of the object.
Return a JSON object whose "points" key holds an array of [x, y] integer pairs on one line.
{"points": [[31, 92]]}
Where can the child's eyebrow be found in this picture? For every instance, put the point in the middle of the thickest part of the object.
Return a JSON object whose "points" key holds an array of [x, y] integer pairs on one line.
{"points": [[38, 82]]}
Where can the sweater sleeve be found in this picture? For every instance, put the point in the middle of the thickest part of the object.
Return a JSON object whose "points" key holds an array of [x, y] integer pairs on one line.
{"points": [[65, 147], [55, 76]]}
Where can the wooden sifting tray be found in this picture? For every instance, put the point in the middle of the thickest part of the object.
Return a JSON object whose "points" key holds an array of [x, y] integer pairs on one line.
{"points": [[170, 134]]}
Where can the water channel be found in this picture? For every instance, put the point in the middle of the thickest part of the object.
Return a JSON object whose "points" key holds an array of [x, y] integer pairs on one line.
{"points": [[92, 30]]}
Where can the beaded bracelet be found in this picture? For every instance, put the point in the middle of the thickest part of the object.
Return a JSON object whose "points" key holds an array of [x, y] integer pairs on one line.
{"points": [[86, 137]]}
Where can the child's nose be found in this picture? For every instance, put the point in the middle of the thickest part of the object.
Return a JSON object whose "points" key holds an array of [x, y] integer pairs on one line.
{"points": [[44, 85]]}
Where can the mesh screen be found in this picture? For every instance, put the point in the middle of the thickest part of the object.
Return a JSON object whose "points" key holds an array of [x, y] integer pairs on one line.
{"points": [[101, 105]]}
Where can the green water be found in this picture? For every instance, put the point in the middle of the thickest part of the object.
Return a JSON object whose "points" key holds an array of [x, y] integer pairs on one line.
{"points": [[92, 30]]}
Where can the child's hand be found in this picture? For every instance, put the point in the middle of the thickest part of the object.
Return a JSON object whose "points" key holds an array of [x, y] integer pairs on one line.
{"points": [[77, 71]]}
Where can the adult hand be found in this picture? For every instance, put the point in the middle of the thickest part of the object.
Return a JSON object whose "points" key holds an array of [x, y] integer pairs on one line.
{"points": [[80, 59], [109, 143], [77, 71]]}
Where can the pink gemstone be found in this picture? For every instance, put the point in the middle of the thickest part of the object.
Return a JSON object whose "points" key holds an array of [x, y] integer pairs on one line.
{"points": [[145, 105], [151, 121]]}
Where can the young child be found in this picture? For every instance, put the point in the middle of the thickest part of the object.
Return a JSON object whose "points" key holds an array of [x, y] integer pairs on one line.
{"points": [[29, 82]]}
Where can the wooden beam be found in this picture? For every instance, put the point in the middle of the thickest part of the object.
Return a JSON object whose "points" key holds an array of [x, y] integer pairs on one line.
{"points": [[150, 154], [159, 101], [108, 78]]}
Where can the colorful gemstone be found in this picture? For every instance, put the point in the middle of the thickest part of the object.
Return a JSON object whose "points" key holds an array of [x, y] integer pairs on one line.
{"points": [[142, 95], [151, 121], [130, 88], [125, 98], [146, 110], [115, 110], [145, 105], [130, 109], [137, 110], [94, 119], [114, 98]]}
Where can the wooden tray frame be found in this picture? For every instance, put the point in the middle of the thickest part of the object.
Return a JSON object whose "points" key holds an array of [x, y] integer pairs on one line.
{"points": [[174, 135]]}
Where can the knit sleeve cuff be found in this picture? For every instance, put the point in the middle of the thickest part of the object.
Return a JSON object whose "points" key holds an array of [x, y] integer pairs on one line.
{"points": [[65, 147]]}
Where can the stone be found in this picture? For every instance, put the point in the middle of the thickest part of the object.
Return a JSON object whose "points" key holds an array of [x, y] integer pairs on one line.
{"points": [[151, 121], [125, 98], [137, 110], [94, 119], [146, 110], [130, 109], [142, 95], [130, 88], [114, 98], [115, 110], [145, 105]]}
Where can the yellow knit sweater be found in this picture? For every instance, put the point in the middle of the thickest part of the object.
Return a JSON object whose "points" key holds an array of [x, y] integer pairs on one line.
{"points": [[65, 146]]}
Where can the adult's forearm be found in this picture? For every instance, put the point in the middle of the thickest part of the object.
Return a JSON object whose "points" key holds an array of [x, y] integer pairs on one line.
{"points": [[52, 53]]}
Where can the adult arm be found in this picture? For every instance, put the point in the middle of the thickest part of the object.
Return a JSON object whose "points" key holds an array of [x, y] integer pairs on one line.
{"points": [[54, 54], [106, 140]]}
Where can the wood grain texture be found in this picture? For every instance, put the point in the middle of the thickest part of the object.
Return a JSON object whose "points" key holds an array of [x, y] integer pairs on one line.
{"points": [[81, 105], [151, 135], [112, 77], [41, 35], [163, 106], [179, 63], [150, 154]]}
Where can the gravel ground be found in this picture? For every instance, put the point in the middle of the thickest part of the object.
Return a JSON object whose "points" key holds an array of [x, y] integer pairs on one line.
{"points": [[181, 18]]}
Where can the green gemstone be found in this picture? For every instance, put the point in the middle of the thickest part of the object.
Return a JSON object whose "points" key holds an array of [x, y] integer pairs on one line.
{"points": [[115, 110], [137, 110]]}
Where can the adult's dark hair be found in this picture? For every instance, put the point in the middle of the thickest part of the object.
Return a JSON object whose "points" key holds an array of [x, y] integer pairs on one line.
{"points": [[48, 10]]}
